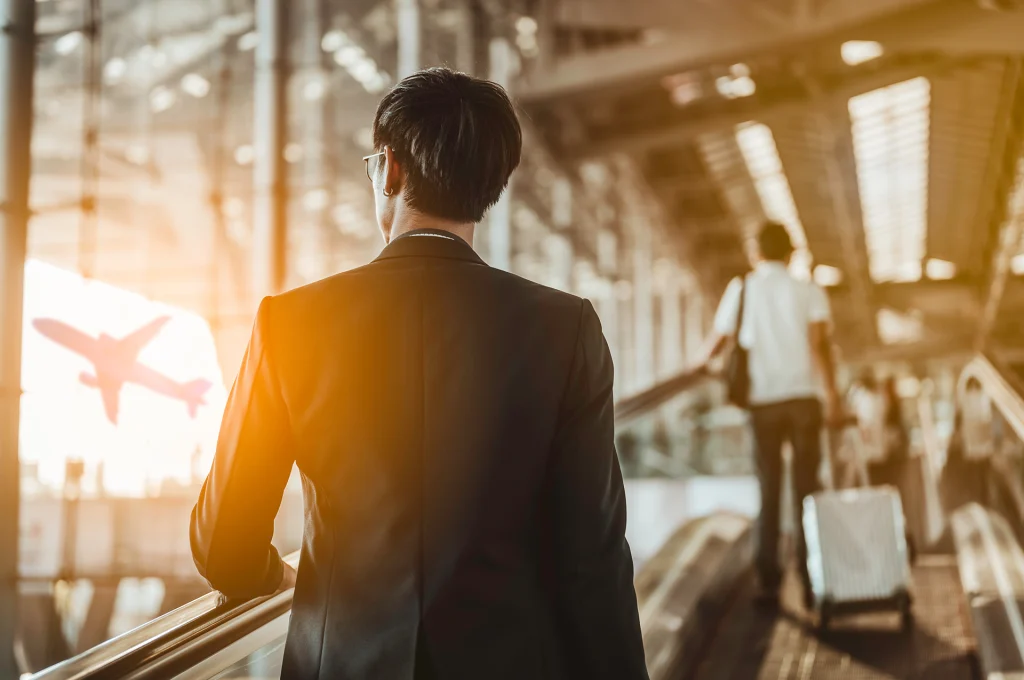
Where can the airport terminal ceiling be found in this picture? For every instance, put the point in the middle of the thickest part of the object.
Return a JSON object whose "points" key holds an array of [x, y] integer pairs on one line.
{"points": [[885, 134]]}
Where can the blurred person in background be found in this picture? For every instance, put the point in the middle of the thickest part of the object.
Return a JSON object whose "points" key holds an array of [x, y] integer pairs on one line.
{"points": [[883, 434], [978, 441], [786, 328], [453, 426], [895, 469], [867, 404], [896, 439]]}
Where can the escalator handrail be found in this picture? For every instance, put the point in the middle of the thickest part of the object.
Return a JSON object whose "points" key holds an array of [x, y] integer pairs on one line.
{"points": [[1006, 392], [1011, 377], [203, 622], [186, 653], [1002, 388], [118, 656], [644, 402]]}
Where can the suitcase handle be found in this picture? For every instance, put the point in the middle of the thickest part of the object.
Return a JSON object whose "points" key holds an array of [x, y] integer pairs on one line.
{"points": [[834, 440]]}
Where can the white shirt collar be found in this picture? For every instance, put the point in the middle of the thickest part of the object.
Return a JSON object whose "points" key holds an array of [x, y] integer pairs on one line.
{"points": [[771, 266], [447, 238]]}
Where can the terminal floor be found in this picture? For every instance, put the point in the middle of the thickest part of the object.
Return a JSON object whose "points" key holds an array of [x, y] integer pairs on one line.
{"points": [[754, 644]]}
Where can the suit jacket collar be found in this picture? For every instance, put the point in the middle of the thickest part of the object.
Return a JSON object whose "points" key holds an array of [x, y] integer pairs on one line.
{"points": [[430, 243]]}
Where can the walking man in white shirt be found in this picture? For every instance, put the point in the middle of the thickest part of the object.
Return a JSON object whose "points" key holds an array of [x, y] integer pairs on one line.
{"points": [[978, 432], [786, 329]]}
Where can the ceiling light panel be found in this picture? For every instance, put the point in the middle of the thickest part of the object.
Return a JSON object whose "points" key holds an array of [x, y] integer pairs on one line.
{"points": [[856, 52], [890, 142]]}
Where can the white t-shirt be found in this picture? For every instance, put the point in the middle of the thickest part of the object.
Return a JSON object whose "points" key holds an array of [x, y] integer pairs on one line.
{"points": [[776, 316]]}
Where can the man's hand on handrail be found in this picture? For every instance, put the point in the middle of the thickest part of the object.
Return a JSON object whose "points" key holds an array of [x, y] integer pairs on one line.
{"points": [[287, 578]]}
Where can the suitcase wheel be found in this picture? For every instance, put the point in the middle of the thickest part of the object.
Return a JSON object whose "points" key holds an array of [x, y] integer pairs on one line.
{"points": [[824, 615], [906, 608]]}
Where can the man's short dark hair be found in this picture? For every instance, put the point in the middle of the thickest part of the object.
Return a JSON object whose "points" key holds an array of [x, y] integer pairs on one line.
{"points": [[458, 138], [973, 383], [774, 242]]}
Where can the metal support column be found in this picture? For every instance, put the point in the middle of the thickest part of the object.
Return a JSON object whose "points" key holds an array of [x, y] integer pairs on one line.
{"points": [[547, 20], [409, 37], [17, 68], [465, 34], [1008, 246], [643, 301], [625, 317], [670, 359], [499, 233], [607, 308], [1008, 181], [312, 259], [270, 174], [695, 319]]}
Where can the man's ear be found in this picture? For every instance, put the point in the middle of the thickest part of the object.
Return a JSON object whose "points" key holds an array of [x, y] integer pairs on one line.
{"points": [[394, 173]]}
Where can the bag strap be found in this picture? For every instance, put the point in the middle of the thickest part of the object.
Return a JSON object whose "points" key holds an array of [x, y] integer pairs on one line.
{"points": [[862, 464], [739, 313], [836, 439]]}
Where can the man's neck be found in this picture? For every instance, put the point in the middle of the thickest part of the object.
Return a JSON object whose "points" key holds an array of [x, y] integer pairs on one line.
{"points": [[407, 220]]}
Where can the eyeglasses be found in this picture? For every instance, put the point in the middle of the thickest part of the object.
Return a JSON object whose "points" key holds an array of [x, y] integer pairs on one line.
{"points": [[367, 159]]}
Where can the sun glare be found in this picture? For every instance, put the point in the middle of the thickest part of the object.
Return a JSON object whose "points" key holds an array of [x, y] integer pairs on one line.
{"points": [[137, 399]]}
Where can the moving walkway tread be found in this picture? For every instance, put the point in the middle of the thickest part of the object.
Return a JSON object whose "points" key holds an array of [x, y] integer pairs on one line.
{"points": [[759, 644]]}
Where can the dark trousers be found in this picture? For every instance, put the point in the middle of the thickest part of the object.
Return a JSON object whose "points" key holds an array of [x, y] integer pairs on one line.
{"points": [[888, 473], [798, 422]]}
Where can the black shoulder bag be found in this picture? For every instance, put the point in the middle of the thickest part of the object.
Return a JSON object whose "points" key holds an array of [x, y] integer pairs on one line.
{"points": [[737, 371]]}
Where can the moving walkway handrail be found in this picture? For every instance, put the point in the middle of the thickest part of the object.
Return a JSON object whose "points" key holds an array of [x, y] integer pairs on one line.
{"points": [[125, 653], [644, 402], [207, 623], [1006, 391], [1001, 386]]}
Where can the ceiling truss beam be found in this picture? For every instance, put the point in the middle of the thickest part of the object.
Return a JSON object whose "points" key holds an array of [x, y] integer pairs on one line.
{"points": [[911, 26], [739, 111], [1010, 192]]}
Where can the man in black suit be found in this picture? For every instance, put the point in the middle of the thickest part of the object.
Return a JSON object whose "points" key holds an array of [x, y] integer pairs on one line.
{"points": [[453, 425]]}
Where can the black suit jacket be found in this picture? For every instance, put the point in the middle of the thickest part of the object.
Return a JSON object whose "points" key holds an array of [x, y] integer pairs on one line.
{"points": [[464, 506]]}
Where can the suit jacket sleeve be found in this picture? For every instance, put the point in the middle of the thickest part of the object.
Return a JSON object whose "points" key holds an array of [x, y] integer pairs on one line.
{"points": [[233, 521], [597, 607]]}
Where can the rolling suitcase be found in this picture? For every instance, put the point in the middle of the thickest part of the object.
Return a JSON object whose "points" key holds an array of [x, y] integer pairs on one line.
{"points": [[857, 553]]}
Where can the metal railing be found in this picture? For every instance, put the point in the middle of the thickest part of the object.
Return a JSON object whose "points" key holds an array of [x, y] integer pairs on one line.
{"points": [[1005, 389], [185, 626], [1002, 386], [630, 408]]}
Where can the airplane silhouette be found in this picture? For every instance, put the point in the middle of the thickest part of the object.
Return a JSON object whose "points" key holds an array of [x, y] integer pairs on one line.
{"points": [[115, 362]]}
